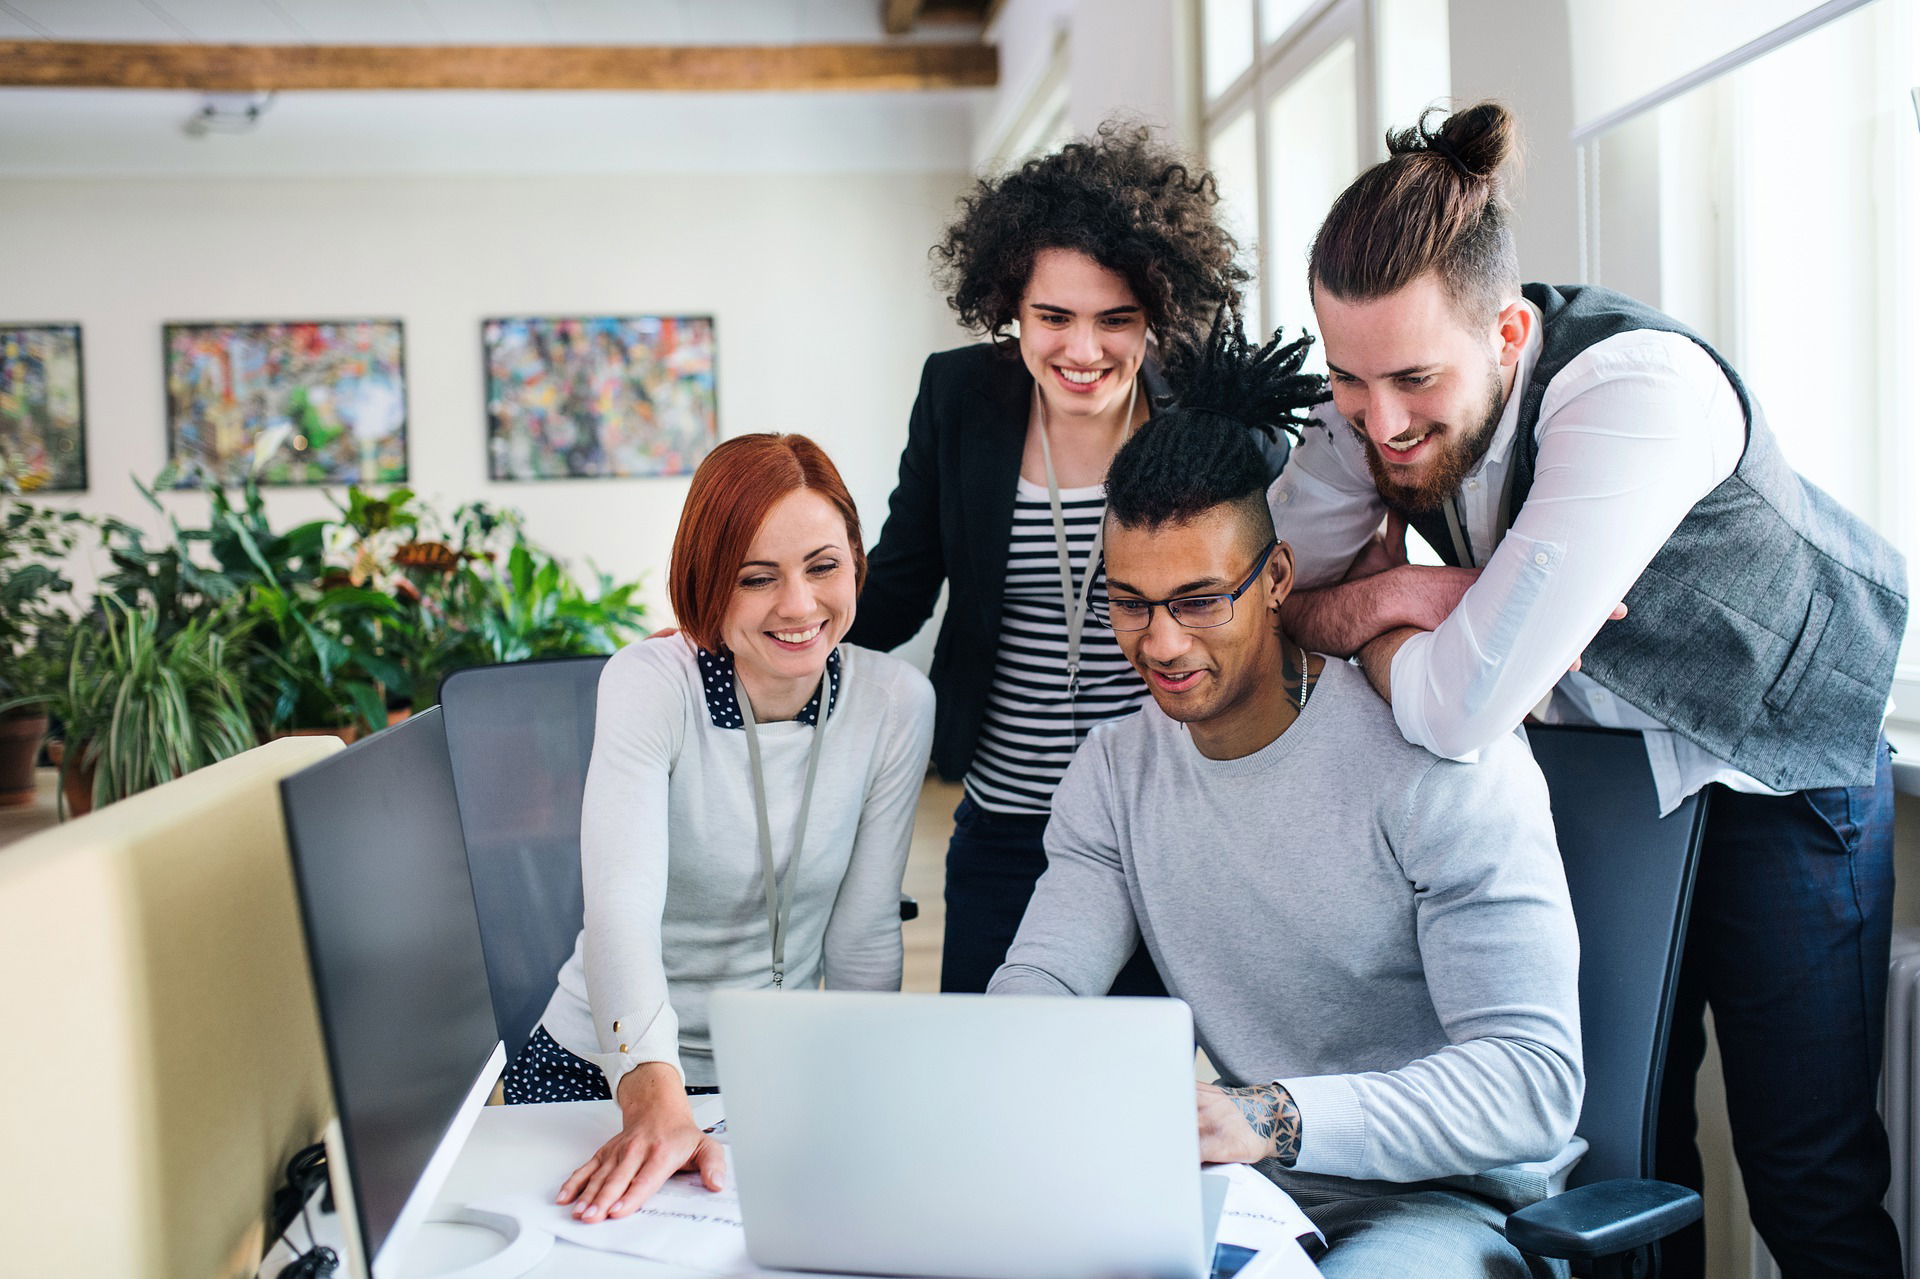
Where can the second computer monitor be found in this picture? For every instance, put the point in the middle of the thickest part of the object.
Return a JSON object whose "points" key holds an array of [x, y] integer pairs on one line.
{"points": [[398, 972]]}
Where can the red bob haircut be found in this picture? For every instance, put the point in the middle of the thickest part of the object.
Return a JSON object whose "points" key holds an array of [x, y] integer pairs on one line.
{"points": [[734, 489]]}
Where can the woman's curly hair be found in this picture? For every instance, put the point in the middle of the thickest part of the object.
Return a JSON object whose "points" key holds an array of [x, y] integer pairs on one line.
{"points": [[1134, 206]]}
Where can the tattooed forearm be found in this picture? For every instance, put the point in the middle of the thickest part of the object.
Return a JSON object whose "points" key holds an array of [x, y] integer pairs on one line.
{"points": [[1270, 1111]]}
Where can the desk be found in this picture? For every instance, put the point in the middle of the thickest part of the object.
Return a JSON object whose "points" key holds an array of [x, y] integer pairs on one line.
{"points": [[512, 1147], [534, 1148]]}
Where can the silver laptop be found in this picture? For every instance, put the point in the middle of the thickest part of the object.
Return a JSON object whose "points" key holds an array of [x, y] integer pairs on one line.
{"points": [[1005, 1137]]}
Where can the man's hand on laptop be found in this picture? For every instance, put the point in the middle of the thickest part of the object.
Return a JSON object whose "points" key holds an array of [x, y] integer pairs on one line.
{"points": [[657, 1139], [1246, 1125]]}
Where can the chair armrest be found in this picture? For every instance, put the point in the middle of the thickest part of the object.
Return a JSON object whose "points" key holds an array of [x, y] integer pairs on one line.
{"points": [[1602, 1219], [909, 908]]}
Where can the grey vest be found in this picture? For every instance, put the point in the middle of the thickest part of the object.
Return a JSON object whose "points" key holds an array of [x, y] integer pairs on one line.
{"points": [[1766, 629]]}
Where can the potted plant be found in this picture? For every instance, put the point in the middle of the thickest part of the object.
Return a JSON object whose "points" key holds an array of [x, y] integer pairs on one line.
{"points": [[34, 624], [141, 706], [487, 594]]}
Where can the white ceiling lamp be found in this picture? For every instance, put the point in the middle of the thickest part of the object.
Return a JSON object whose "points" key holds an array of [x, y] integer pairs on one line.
{"points": [[227, 113]]}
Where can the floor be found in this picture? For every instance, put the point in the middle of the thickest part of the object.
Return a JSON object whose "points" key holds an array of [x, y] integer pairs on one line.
{"points": [[926, 874], [22, 820]]}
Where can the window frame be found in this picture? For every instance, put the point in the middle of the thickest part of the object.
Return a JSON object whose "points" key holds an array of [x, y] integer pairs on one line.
{"points": [[1278, 60]]}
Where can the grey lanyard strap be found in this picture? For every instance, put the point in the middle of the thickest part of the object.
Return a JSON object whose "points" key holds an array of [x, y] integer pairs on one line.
{"points": [[1075, 603], [1503, 520], [780, 891]]}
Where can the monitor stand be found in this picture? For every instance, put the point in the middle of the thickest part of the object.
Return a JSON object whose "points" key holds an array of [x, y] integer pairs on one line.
{"points": [[443, 1248], [430, 1251]]}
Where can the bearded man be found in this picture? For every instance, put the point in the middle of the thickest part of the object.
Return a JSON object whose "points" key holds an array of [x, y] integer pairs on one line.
{"points": [[1576, 457]]}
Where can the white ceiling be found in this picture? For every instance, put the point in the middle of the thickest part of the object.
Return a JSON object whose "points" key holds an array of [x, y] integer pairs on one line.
{"points": [[107, 132]]}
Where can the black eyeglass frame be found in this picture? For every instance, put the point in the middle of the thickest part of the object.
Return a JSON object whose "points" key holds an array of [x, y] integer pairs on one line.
{"points": [[1173, 604]]}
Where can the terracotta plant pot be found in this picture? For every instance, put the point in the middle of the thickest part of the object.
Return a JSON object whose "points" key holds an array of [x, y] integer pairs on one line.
{"points": [[20, 738], [76, 785]]}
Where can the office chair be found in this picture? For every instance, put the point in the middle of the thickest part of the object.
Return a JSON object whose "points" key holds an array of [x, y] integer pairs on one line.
{"points": [[1630, 873], [520, 735]]}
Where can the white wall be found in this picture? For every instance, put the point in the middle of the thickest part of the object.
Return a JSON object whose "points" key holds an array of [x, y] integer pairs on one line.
{"points": [[1133, 58], [819, 285], [1520, 54]]}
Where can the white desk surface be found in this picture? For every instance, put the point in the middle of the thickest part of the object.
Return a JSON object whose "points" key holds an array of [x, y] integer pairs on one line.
{"points": [[538, 1146], [534, 1148], [510, 1148]]}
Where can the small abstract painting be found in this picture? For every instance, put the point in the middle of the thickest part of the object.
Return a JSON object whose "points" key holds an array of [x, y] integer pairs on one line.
{"points": [[296, 402], [43, 442], [599, 396]]}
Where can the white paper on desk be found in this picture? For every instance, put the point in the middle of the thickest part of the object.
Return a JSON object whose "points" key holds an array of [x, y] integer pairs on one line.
{"points": [[684, 1224], [1261, 1216]]}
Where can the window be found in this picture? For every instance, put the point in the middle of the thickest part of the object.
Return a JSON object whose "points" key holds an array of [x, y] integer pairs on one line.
{"points": [[1292, 116], [1773, 207]]}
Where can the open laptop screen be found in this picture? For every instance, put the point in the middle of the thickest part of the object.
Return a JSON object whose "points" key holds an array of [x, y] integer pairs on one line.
{"points": [[398, 972]]}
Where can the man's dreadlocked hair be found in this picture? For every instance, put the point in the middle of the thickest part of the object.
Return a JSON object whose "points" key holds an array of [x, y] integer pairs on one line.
{"points": [[1201, 454]]}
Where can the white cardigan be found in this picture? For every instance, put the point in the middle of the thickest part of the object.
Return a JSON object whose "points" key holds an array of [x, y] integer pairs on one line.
{"points": [[670, 858]]}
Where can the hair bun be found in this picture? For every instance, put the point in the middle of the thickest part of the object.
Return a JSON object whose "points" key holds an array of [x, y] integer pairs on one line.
{"points": [[1476, 141]]}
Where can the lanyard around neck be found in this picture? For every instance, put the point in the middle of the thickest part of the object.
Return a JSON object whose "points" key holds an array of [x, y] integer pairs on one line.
{"points": [[780, 890], [1075, 603]]}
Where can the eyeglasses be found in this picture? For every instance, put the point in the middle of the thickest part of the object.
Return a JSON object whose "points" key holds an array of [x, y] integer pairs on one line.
{"points": [[1195, 611]]}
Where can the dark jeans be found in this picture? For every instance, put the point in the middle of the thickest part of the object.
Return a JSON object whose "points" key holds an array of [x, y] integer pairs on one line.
{"points": [[1792, 916], [993, 862]]}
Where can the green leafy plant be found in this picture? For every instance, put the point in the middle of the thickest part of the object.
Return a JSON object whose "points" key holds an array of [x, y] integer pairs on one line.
{"points": [[316, 657], [142, 707], [35, 616], [484, 593]]}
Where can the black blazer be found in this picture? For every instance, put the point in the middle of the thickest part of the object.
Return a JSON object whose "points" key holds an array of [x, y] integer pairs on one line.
{"points": [[950, 520]]}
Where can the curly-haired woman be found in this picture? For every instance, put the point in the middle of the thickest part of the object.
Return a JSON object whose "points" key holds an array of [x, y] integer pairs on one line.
{"points": [[1106, 260]]}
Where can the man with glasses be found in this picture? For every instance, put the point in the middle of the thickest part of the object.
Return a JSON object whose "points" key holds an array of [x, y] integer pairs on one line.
{"points": [[1376, 943]]}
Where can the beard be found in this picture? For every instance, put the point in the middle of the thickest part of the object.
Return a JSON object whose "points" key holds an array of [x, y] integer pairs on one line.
{"points": [[1441, 477]]}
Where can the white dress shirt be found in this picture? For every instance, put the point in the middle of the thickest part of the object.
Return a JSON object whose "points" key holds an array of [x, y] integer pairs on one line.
{"points": [[1632, 433]]}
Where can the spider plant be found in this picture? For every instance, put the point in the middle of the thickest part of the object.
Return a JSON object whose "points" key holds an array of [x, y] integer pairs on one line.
{"points": [[141, 708]]}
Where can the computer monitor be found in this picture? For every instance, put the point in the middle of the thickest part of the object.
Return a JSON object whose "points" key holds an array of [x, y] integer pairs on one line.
{"points": [[398, 975]]}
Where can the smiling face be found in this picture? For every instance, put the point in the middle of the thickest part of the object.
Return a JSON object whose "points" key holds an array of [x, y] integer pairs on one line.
{"points": [[1082, 334], [1207, 677], [1422, 388], [793, 599]]}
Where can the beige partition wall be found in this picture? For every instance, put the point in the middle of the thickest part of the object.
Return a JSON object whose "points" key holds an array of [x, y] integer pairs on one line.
{"points": [[162, 1057]]}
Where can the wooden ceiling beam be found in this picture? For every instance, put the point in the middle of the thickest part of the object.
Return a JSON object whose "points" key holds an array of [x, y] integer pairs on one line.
{"points": [[242, 68]]}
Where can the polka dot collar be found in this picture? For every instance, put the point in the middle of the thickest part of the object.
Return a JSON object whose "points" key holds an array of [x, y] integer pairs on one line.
{"points": [[723, 708]]}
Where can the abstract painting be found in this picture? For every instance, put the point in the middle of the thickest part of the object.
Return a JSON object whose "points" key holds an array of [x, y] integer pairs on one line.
{"points": [[603, 396], [43, 441], [296, 402]]}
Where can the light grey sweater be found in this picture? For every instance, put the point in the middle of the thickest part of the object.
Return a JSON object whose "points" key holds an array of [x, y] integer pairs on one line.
{"points": [[670, 854], [1384, 932]]}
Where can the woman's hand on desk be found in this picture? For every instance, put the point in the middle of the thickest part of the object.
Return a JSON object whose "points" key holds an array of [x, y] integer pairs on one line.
{"points": [[657, 1139]]}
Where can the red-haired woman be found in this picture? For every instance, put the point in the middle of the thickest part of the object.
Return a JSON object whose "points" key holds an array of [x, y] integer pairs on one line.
{"points": [[750, 760]]}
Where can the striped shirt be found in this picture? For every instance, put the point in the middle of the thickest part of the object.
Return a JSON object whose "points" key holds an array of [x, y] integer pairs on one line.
{"points": [[1032, 725]]}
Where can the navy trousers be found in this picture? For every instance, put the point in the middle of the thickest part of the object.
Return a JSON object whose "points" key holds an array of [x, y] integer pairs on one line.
{"points": [[993, 862], [1792, 918]]}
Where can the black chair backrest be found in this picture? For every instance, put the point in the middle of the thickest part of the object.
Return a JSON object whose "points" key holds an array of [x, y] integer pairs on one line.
{"points": [[1630, 872], [520, 736]]}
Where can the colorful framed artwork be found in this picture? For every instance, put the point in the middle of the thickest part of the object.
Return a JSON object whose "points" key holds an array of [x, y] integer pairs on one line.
{"points": [[291, 402], [43, 432], [599, 396]]}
